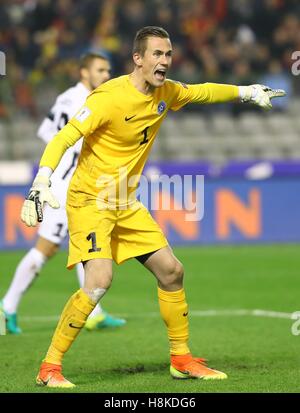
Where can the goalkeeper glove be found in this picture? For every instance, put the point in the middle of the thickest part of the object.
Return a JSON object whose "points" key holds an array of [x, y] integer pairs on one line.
{"points": [[32, 210], [260, 95]]}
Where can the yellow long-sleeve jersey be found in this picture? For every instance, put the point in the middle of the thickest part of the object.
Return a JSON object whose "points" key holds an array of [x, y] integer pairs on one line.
{"points": [[119, 125]]}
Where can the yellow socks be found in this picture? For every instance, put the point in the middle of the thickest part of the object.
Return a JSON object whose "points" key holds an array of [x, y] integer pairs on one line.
{"points": [[174, 311], [71, 321]]}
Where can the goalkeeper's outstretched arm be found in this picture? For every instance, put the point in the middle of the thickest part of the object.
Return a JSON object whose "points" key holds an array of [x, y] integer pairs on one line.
{"points": [[209, 93], [32, 210]]}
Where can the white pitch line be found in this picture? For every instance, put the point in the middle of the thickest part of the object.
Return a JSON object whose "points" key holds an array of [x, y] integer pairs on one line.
{"points": [[244, 312], [195, 313]]}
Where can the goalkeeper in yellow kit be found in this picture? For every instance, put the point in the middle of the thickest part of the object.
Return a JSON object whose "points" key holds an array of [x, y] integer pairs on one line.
{"points": [[119, 122]]}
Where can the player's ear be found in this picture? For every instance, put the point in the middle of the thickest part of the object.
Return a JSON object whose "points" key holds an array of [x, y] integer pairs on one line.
{"points": [[137, 58]]}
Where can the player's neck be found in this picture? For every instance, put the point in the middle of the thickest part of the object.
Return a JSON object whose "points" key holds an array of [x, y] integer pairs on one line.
{"points": [[140, 83], [86, 84]]}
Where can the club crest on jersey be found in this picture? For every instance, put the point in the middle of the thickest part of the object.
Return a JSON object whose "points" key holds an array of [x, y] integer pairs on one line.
{"points": [[83, 114], [161, 107]]}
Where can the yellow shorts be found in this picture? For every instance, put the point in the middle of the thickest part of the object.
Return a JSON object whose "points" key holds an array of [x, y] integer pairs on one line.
{"points": [[115, 234]]}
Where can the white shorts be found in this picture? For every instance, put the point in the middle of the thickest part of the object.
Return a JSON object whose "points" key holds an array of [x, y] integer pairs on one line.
{"points": [[54, 227]]}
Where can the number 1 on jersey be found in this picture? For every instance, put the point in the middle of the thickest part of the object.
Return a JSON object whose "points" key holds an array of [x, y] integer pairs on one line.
{"points": [[145, 132]]}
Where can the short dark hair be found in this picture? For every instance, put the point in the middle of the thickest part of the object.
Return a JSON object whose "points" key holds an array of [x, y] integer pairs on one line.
{"points": [[140, 40], [86, 59]]}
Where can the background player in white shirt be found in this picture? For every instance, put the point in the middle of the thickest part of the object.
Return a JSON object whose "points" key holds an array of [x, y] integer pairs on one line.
{"points": [[94, 70]]}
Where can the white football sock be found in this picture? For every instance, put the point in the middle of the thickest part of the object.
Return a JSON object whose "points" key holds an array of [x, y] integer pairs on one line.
{"points": [[26, 271], [80, 275]]}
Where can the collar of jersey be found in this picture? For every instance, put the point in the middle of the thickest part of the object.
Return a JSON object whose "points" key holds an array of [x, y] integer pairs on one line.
{"points": [[137, 92]]}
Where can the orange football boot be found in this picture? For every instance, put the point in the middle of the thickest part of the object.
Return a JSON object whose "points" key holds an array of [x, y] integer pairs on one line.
{"points": [[187, 366], [50, 375]]}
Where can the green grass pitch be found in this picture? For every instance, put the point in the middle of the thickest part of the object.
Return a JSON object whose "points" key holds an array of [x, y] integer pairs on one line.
{"points": [[259, 354]]}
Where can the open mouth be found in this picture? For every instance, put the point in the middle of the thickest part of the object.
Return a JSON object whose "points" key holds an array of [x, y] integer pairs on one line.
{"points": [[160, 74]]}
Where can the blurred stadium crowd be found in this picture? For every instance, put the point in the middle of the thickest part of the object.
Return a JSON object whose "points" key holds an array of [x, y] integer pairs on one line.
{"points": [[239, 41], [226, 41]]}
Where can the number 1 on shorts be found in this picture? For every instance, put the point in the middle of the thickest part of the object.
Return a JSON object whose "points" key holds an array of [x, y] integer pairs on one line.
{"points": [[92, 236]]}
